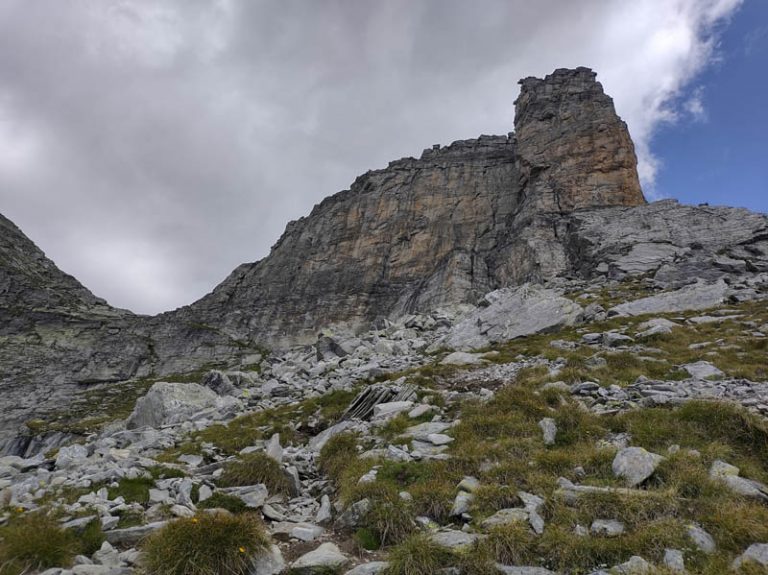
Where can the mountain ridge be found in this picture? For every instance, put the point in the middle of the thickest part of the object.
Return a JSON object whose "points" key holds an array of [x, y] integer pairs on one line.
{"points": [[557, 198]]}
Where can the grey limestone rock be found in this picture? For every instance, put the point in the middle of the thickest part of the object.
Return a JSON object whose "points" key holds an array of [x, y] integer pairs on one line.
{"points": [[269, 563], [505, 517], [462, 358], [607, 527], [512, 570], [454, 540], [372, 568], [703, 370], [634, 566], [168, 403], [549, 430], [699, 296], [132, 535], [757, 554], [324, 558], [511, 313], [635, 464], [729, 475], [674, 560], [701, 539]]}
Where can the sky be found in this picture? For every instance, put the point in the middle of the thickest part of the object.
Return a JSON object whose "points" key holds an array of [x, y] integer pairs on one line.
{"points": [[150, 147]]}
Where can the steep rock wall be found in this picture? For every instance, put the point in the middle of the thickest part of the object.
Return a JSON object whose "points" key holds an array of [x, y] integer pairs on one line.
{"points": [[443, 229]]}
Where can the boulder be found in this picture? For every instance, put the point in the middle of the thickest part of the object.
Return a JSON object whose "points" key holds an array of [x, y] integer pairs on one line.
{"points": [[219, 382], [454, 540], [634, 566], [655, 326], [549, 429], [702, 540], [301, 531], [326, 558], [729, 475], [170, 403], [698, 296], [254, 496], [512, 570], [512, 313], [462, 358], [635, 464], [317, 442], [674, 560], [270, 563], [607, 527], [71, 456], [505, 517], [391, 409], [130, 536], [703, 370], [756, 554]]}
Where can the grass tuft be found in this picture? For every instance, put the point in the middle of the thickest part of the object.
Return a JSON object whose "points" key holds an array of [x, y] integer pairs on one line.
{"points": [[337, 453], [255, 468], [36, 542], [223, 501], [133, 490], [207, 544], [417, 555]]}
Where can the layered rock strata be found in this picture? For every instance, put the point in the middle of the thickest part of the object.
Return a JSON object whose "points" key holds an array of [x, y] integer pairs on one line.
{"points": [[445, 228], [558, 198]]}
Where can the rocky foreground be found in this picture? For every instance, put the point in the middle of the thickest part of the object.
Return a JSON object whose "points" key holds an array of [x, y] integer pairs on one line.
{"points": [[602, 427]]}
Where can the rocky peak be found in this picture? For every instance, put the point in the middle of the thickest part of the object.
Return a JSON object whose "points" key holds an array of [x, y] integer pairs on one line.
{"points": [[558, 199], [31, 283], [574, 151]]}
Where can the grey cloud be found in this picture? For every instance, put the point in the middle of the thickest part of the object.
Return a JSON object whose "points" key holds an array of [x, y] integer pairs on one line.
{"points": [[150, 147]]}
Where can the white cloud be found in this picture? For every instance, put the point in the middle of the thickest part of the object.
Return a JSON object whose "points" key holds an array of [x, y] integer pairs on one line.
{"points": [[151, 146], [694, 105]]}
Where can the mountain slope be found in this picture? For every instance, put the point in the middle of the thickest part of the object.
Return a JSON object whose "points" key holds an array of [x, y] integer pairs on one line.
{"points": [[559, 198]]}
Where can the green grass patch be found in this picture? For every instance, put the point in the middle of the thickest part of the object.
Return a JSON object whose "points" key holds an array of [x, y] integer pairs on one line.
{"points": [[286, 420], [36, 542], [417, 555], [206, 544], [223, 501], [133, 490], [255, 468]]}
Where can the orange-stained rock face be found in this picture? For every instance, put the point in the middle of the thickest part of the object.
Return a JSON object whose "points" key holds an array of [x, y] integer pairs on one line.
{"points": [[445, 228], [574, 151]]}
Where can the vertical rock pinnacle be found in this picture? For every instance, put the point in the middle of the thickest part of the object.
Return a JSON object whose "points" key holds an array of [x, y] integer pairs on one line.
{"points": [[574, 152]]}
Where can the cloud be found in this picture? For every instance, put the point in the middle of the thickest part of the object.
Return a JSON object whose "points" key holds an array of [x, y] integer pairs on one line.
{"points": [[694, 105], [149, 147]]}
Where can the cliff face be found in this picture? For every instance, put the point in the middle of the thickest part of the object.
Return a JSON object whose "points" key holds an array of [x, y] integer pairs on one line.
{"points": [[414, 235], [574, 152], [559, 197], [446, 228]]}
